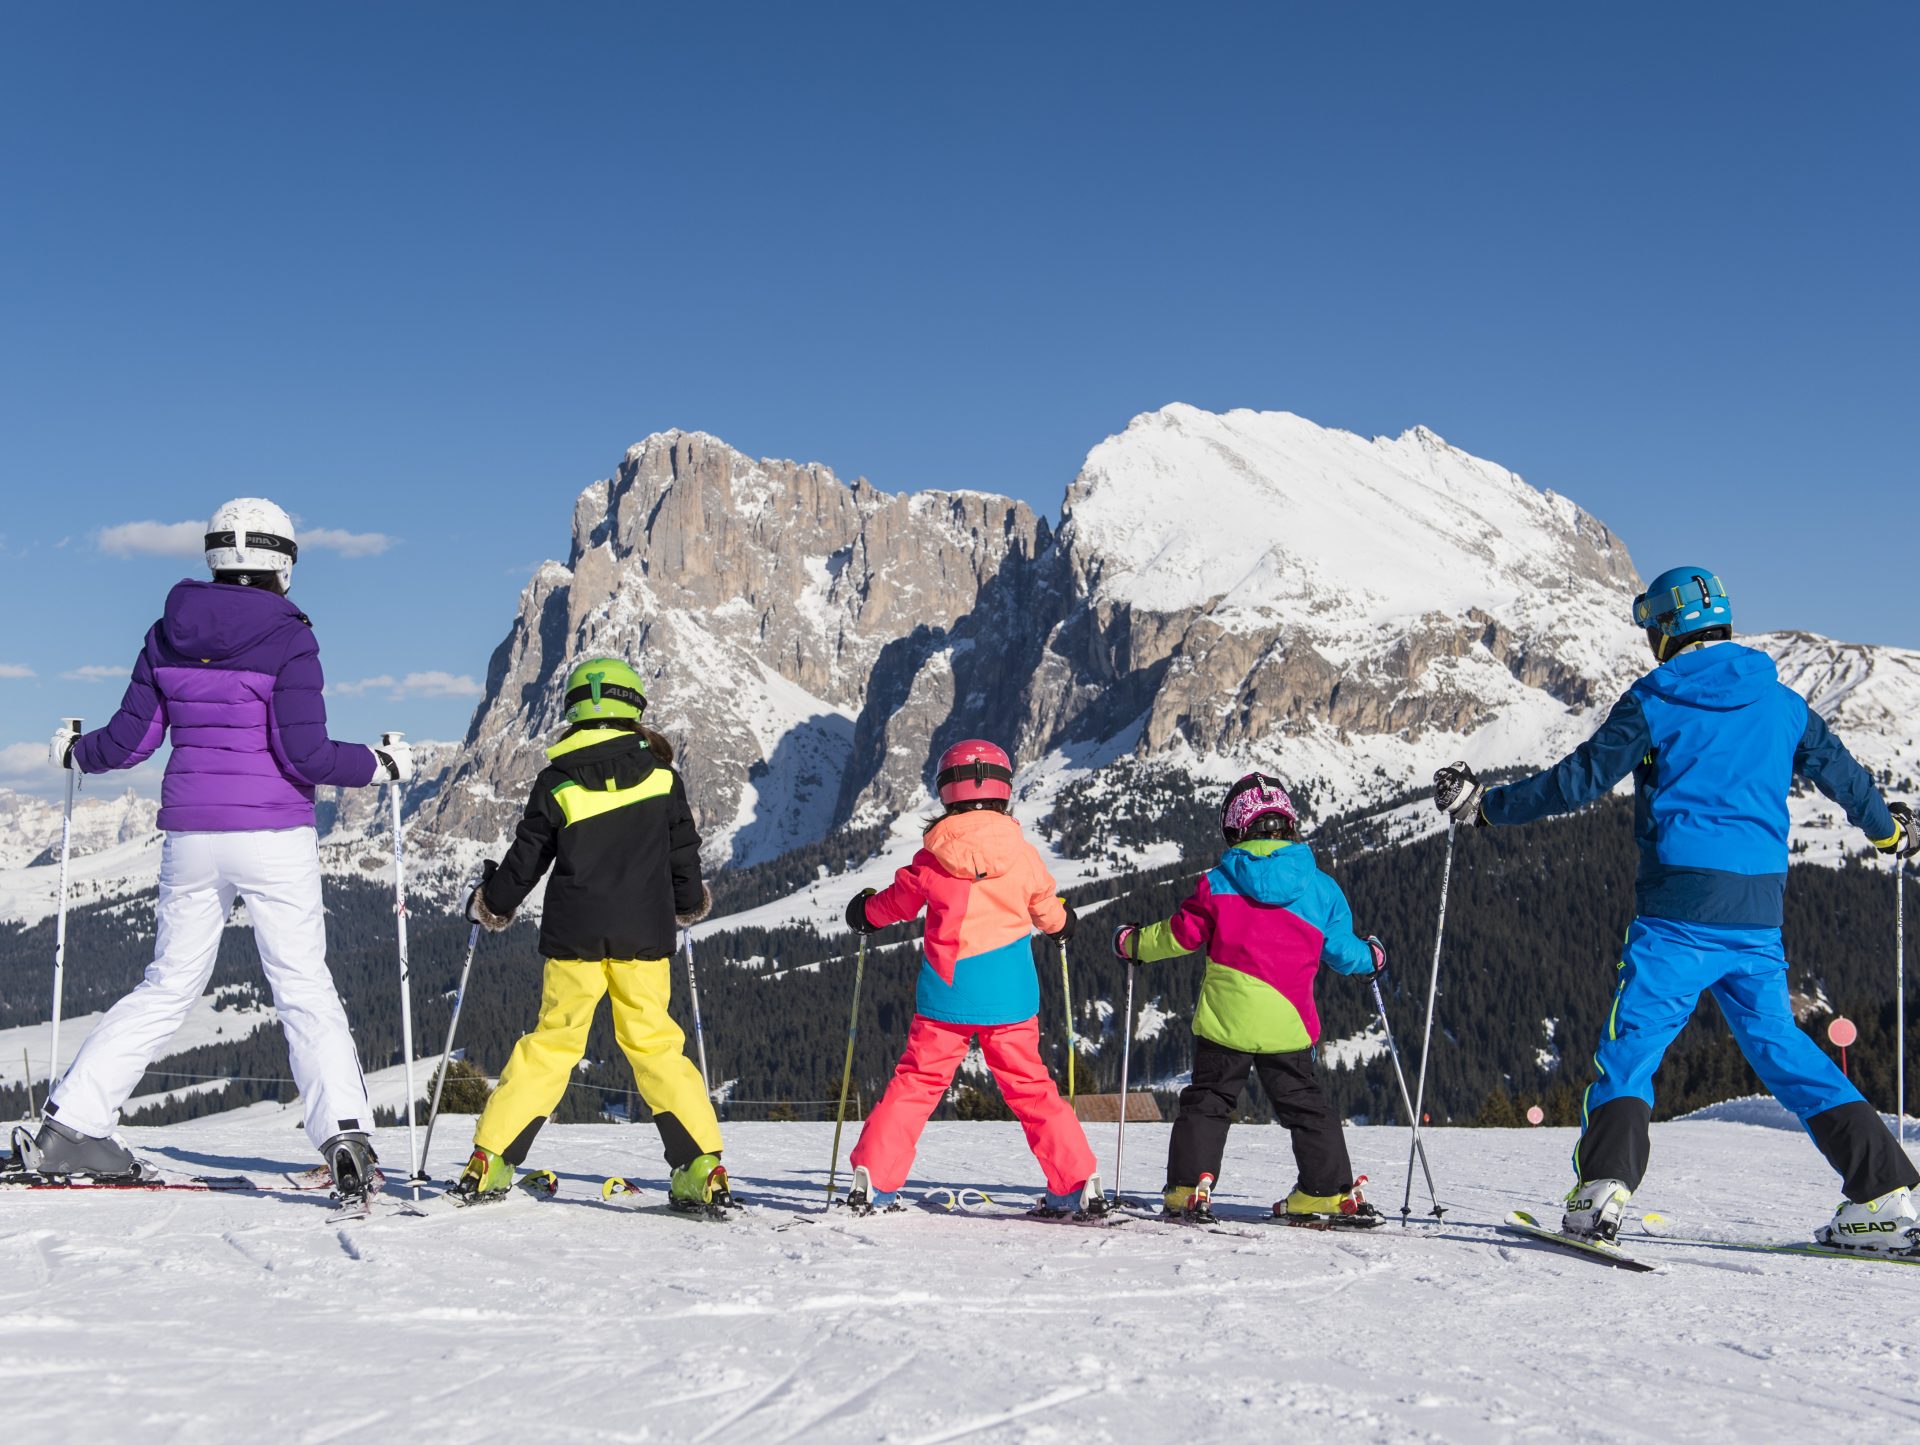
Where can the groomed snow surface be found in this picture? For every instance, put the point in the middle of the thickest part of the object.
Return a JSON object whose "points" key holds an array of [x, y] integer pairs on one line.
{"points": [[189, 1317]]}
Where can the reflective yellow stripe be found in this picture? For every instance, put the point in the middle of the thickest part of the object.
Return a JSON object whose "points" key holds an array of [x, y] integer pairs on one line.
{"points": [[586, 738], [1888, 842], [580, 803]]}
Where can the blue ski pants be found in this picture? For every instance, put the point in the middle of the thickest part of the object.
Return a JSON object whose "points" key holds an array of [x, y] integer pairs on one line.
{"points": [[1665, 968]]}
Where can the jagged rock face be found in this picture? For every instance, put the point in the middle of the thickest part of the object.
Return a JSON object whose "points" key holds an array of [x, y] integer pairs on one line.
{"points": [[756, 597], [1228, 586]]}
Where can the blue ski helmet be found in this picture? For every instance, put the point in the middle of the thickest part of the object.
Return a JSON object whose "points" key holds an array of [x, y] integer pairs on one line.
{"points": [[1682, 601]]}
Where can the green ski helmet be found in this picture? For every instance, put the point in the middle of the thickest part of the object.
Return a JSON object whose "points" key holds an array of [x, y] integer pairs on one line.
{"points": [[602, 688]]}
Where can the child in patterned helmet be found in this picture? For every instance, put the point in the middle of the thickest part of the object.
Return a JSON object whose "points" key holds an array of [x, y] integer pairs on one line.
{"points": [[1266, 918]]}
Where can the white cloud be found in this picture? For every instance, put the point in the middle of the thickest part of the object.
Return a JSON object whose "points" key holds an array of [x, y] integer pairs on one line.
{"points": [[347, 544], [384, 683], [414, 684], [16, 671], [440, 684], [188, 539], [154, 539], [25, 763], [94, 672]]}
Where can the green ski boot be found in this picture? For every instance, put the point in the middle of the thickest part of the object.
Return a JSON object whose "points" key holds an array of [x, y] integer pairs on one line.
{"points": [[701, 1187], [487, 1177]]}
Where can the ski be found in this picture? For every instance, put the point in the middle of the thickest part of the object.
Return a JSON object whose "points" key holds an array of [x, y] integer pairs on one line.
{"points": [[1527, 1227], [1210, 1224], [1076, 1220], [535, 1183], [625, 1194], [1348, 1223], [199, 1183], [1655, 1227]]}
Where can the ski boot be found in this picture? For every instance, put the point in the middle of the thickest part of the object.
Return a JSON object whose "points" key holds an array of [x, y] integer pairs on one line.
{"points": [[356, 1179], [1346, 1210], [863, 1198], [701, 1187], [1189, 1203], [1887, 1225], [486, 1177], [62, 1155], [1595, 1208], [1082, 1204]]}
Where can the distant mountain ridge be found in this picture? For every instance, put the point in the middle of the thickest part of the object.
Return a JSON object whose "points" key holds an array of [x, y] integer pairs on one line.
{"points": [[1222, 592]]}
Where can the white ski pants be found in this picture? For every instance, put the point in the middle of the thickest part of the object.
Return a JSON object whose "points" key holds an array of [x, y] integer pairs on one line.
{"points": [[278, 874]]}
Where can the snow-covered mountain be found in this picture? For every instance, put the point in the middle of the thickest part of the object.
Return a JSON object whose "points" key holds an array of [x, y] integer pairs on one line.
{"points": [[1222, 592]]}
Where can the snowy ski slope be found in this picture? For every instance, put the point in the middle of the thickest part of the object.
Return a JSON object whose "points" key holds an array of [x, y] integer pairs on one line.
{"points": [[184, 1317]]}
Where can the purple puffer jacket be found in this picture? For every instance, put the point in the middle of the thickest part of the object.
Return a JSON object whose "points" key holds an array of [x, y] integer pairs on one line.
{"points": [[234, 672]]}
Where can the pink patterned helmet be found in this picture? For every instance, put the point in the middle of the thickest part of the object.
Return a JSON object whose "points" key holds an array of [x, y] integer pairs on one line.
{"points": [[975, 772], [1254, 797]]}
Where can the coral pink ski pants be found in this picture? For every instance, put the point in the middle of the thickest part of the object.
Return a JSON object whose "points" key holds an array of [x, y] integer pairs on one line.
{"points": [[926, 1069]]}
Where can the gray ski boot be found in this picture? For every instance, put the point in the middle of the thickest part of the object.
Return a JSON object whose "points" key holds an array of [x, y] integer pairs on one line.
{"points": [[352, 1160], [58, 1152]]}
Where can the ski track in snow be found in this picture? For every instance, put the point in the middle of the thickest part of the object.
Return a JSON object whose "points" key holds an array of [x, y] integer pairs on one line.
{"points": [[188, 1317]]}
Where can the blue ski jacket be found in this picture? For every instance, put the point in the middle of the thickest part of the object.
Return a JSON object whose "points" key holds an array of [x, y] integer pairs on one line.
{"points": [[1713, 739]]}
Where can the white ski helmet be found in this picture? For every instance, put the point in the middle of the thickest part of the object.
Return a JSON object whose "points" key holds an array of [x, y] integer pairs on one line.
{"points": [[251, 534]]}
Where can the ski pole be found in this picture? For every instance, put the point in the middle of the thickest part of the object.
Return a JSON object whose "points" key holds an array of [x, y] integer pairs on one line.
{"points": [[1126, 1059], [693, 987], [406, 984], [1380, 1007], [60, 928], [846, 1069], [453, 1026], [1900, 992], [1426, 1041], [1066, 993]]}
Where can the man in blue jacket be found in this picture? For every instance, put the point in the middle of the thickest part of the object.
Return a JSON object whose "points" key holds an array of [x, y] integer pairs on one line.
{"points": [[1713, 739]]}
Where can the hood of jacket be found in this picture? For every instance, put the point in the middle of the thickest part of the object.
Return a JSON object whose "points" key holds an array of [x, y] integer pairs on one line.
{"points": [[595, 756], [1269, 870], [218, 621], [980, 844], [1722, 676]]}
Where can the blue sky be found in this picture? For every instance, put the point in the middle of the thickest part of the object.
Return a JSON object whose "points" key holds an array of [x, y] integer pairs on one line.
{"points": [[420, 272]]}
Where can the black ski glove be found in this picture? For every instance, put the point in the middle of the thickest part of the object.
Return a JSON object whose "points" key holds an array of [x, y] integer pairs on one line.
{"points": [[477, 910], [1068, 928], [687, 920], [857, 912], [1459, 794], [1905, 842]]}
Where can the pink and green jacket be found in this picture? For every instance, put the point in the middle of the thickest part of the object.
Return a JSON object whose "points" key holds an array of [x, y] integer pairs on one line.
{"points": [[1267, 919]]}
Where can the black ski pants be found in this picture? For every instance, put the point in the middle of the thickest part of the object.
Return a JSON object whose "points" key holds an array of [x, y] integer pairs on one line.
{"points": [[1206, 1113]]}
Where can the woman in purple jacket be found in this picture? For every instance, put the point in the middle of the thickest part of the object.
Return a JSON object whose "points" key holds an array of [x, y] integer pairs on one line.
{"points": [[232, 672]]}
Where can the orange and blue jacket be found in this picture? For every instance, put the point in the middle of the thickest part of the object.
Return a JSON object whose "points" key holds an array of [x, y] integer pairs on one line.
{"points": [[985, 890]]}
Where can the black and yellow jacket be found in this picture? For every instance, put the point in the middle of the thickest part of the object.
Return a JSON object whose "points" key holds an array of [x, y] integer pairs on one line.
{"points": [[612, 819]]}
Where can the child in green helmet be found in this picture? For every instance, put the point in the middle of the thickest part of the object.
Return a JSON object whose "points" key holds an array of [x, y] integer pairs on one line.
{"points": [[610, 817]]}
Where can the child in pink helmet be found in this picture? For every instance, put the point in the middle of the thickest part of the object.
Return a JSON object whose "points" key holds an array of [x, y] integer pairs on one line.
{"points": [[985, 890], [1266, 918]]}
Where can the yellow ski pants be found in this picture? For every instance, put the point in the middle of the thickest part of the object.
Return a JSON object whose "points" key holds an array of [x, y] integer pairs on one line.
{"points": [[543, 1062]]}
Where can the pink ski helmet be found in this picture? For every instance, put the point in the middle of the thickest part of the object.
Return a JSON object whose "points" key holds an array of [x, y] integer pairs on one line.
{"points": [[1254, 797], [975, 772]]}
